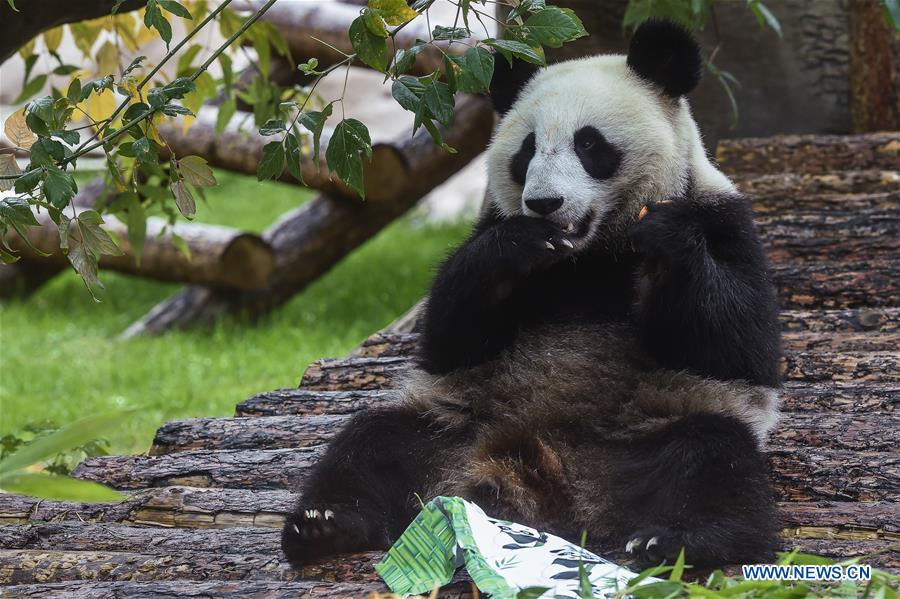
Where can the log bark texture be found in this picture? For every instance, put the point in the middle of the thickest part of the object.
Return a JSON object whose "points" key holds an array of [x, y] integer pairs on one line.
{"points": [[793, 187], [310, 240], [32, 18], [809, 154], [874, 68], [874, 431], [799, 473], [303, 402]]}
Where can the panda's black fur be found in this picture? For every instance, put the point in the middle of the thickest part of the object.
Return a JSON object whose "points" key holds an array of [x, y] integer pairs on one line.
{"points": [[618, 388]]}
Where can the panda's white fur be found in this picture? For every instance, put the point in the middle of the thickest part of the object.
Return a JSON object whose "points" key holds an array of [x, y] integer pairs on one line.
{"points": [[663, 150]]}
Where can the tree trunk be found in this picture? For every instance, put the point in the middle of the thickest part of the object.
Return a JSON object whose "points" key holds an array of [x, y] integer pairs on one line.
{"points": [[310, 240], [874, 68]]}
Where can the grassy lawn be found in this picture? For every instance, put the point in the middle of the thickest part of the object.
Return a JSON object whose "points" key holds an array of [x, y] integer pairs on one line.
{"points": [[60, 360]]}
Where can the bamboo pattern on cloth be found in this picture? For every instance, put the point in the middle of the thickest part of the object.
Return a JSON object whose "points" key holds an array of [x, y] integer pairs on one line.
{"points": [[501, 557]]}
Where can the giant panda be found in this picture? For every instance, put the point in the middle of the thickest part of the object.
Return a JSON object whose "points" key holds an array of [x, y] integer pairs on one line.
{"points": [[600, 355]]}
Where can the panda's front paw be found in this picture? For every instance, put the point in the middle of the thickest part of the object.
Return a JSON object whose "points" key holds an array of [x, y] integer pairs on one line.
{"points": [[526, 243], [668, 231]]}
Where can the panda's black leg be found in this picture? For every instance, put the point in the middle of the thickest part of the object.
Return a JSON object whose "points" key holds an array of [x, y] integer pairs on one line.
{"points": [[361, 493], [706, 303], [702, 485], [472, 311]]}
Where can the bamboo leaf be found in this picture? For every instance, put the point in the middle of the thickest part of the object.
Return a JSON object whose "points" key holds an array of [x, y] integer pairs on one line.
{"points": [[60, 488]]}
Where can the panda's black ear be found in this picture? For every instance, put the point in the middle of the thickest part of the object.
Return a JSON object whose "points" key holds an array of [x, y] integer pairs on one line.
{"points": [[508, 81], [666, 54]]}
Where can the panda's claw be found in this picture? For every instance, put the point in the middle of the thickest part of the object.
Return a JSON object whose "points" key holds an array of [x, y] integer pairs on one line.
{"points": [[653, 541], [568, 244], [635, 542], [549, 245]]}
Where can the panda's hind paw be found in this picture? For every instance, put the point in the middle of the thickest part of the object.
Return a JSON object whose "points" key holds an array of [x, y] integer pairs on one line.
{"points": [[653, 546]]}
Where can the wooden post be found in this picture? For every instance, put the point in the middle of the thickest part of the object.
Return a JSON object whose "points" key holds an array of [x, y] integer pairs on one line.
{"points": [[874, 68]]}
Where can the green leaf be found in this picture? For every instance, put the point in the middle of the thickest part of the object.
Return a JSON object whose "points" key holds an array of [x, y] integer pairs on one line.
{"points": [[408, 92], [46, 152], [176, 110], [450, 33], [59, 187], [764, 16], [475, 70], [16, 213], [154, 19], [374, 23], [175, 8], [136, 221], [136, 110], [31, 88], [184, 199], [531, 592], [552, 27], [370, 48], [145, 151], [196, 171], [314, 121], [272, 127], [439, 100], [77, 433], [70, 137], [226, 111], [272, 163], [98, 240], [678, 569], [406, 57], [518, 49], [133, 65], [74, 91], [29, 180], [292, 155], [348, 143], [12, 5], [179, 88], [187, 59], [60, 488], [394, 12]]}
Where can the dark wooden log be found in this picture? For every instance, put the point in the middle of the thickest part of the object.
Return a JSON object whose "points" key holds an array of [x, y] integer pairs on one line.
{"points": [[874, 70], [827, 519], [809, 154], [19, 26], [179, 589], [832, 237], [267, 432], [858, 320], [219, 256], [313, 238], [862, 284], [240, 150], [284, 402], [387, 345], [801, 474], [812, 474], [870, 431], [791, 202], [880, 367], [827, 396], [353, 373], [183, 507], [784, 190], [881, 554]]}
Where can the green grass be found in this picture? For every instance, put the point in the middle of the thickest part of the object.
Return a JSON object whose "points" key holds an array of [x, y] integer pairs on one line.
{"points": [[60, 359]]}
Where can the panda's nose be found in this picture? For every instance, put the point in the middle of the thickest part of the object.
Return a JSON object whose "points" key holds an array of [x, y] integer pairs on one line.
{"points": [[544, 206]]}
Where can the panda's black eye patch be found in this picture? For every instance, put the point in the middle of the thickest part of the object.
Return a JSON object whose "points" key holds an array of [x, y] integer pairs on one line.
{"points": [[598, 157], [519, 165]]}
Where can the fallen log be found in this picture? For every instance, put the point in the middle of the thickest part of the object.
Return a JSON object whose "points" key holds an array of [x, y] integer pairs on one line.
{"points": [[302, 24], [809, 154], [854, 320], [813, 474], [240, 150], [862, 284], [360, 374], [831, 237], [881, 554], [788, 202], [218, 256], [243, 589], [785, 190], [871, 431], [313, 238], [167, 507], [799, 473], [302, 402], [387, 345], [828, 396]]}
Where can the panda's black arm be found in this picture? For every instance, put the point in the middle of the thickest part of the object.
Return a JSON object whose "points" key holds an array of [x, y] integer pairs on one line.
{"points": [[706, 302], [474, 309]]}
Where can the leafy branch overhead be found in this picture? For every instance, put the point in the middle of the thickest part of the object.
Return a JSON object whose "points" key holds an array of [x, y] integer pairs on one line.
{"points": [[118, 110]]}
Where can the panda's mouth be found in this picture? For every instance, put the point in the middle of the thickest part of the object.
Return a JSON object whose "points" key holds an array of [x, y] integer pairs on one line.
{"points": [[582, 227]]}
